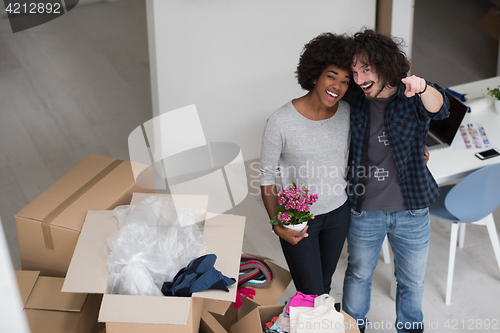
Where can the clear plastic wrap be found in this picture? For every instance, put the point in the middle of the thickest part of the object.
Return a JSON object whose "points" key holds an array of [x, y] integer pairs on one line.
{"points": [[151, 246]]}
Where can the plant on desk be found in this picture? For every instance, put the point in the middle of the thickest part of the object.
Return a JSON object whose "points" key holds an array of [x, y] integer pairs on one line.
{"points": [[495, 93]]}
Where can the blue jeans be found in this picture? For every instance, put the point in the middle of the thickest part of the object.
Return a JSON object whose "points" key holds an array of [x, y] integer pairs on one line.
{"points": [[408, 233], [313, 260]]}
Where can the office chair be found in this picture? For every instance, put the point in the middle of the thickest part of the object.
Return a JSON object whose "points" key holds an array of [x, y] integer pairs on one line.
{"points": [[472, 200]]}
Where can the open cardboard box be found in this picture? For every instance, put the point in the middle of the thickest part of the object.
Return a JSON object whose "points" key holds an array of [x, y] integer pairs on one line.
{"points": [[209, 324], [88, 273], [269, 295], [263, 296], [49, 226], [218, 322], [48, 310], [254, 321]]}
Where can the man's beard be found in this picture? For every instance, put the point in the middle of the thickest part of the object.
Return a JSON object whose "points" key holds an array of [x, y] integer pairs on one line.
{"points": [[372, 97]]}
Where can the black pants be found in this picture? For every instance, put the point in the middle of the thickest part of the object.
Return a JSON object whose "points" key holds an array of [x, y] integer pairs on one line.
{"points": [[313, 260]]}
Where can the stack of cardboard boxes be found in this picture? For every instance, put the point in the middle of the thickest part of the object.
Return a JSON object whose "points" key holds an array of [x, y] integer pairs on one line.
{"points": [[48, 229], [63, 247], [49, 226]]}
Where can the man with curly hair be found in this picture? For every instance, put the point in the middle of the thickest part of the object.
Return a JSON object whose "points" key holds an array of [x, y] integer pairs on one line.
{"points": [[390, 187]]}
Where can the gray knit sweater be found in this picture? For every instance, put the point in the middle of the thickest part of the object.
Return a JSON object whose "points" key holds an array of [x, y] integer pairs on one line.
{"points": [[312, 153]]}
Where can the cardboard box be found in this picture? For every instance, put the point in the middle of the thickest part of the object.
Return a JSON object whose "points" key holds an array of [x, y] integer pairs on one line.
{"points": [[49, 226], [88, 273], [254, 321], [50, 311], [209, 324], [215, 306], [226, 320], [227, 316], [490, 23], [269, 295]]}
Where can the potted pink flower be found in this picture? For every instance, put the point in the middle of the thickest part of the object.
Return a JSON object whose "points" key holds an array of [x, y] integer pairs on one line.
{"points": [[294, 207]]}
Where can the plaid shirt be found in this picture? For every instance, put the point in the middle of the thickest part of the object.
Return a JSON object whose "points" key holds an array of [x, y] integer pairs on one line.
{"points": [[406, 123]]}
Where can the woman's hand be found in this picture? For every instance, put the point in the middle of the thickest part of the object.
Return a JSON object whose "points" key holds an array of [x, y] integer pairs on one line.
{"points": [[270, 198], [290, 235]]}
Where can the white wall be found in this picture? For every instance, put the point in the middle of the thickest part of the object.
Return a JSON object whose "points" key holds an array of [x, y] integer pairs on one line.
{"points": [[402, 22], [236, 59]]}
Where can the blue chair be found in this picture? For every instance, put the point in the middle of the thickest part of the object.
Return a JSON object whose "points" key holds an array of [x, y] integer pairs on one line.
{"points": [[472, 200]]}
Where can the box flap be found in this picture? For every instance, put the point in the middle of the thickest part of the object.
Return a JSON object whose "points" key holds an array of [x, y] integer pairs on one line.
{"points": [[209, 324], [254, 321], [197, 202], [145, 309], [266, 313], [224, 236], [26, 281], [228, 319], [88, 270], [350, 324], [47, 295], [248, 324], [215, 306]]}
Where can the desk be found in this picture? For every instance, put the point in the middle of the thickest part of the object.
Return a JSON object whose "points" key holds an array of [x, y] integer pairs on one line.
{"points": [[450, 164]]}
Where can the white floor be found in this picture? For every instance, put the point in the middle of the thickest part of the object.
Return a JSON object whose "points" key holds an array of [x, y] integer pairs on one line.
{"points": [[80, 84]]}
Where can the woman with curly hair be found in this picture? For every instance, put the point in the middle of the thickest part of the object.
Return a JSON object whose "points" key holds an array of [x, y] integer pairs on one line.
{"points": [[306, 140]]}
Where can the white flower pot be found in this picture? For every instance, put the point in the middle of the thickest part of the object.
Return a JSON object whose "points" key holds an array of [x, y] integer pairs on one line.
{"points": [[497, 106], [297, 227]]}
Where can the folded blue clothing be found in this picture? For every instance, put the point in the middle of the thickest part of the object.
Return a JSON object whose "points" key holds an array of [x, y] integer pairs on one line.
{"points": [[199, 275]]}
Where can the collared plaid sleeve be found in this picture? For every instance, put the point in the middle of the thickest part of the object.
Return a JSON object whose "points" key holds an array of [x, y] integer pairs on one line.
{"points": [[443, 112], [407, 122]]}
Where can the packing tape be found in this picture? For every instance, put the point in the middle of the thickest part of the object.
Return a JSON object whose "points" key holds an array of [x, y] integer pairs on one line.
{"points": [[47, 234]]}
